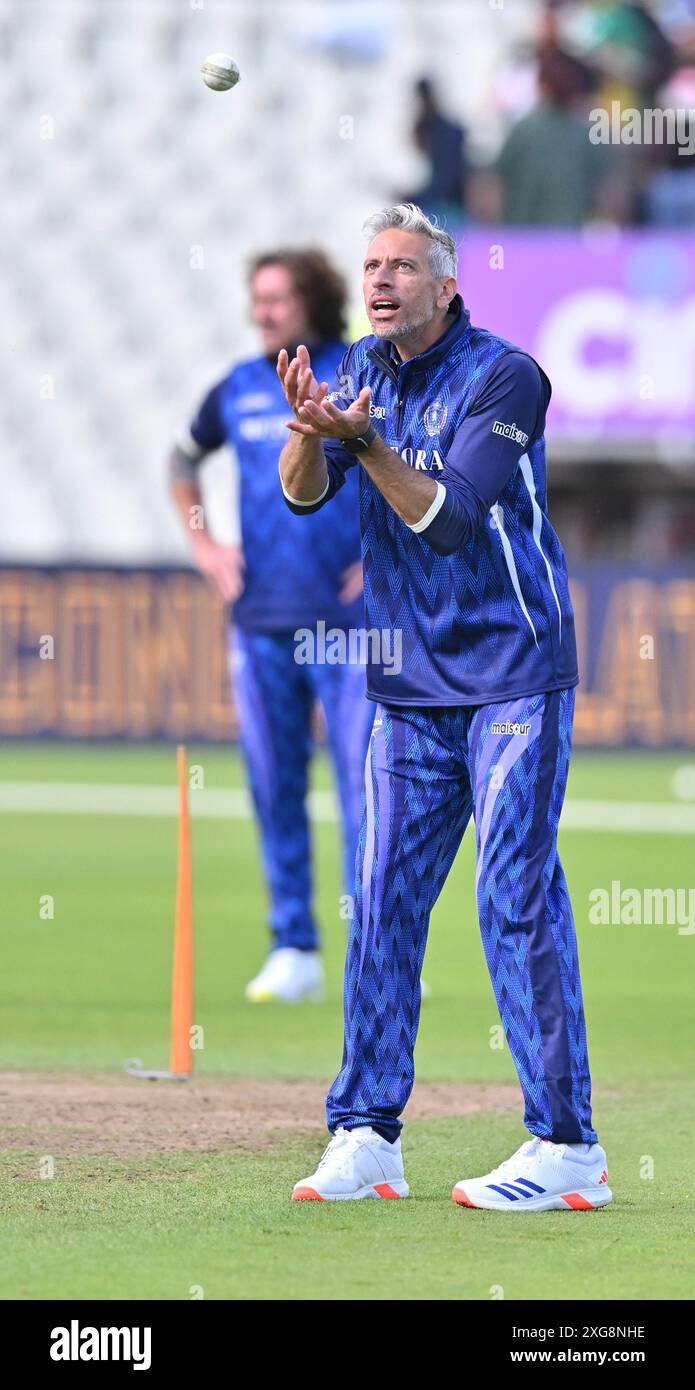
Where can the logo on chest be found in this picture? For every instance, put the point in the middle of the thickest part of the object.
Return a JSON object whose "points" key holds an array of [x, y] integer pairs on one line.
{"points": [[428, 460], [262, 429], [435, 417]]}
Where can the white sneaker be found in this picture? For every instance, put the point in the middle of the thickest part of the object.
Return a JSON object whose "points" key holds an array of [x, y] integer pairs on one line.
{"points": [[541, 1176], [288, 975], [357, 1163]]}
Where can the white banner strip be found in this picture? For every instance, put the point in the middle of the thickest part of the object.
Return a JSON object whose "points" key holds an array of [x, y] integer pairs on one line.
{"points": [[121, 799]]}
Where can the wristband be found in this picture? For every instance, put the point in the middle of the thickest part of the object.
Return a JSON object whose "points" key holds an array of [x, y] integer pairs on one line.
{"points": [[362, 442]]}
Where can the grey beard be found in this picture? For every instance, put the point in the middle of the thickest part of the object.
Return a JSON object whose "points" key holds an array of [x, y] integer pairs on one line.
{"points": [[400, 333]]}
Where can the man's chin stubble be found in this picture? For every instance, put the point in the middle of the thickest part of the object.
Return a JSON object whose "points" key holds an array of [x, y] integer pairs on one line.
{"points": [[397, 333]]}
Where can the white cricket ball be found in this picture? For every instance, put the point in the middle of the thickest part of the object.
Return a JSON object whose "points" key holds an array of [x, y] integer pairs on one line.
{"points": [[220, 72]]}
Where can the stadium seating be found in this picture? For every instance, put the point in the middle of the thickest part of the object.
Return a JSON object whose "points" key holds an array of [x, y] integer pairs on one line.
{"points": [[133, 196]]}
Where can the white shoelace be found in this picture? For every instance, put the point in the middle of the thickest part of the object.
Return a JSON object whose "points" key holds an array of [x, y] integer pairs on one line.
{"points": [[530, 1150], [347, 1140]]}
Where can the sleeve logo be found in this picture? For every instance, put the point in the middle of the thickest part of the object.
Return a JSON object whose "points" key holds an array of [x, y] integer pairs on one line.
{"points": [[510, 432]]}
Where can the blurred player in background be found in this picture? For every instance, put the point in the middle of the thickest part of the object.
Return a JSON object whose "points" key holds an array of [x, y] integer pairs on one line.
{"points": [[281, 578]]}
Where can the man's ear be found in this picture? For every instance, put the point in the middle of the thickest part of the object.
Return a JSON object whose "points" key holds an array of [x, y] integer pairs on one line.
{"points": [[447, 292]]}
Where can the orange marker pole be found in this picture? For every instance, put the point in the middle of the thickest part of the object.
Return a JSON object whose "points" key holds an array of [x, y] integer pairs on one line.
{"points": [[181, 1060]]}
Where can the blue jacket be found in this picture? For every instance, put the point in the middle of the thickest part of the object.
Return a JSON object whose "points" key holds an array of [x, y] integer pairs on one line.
{"points": [[478, 588]]}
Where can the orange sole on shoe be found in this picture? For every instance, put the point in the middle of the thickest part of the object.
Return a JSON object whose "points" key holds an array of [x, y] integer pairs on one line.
{"points": [[577, 1202], [573, 1201], [381, 1189], [460, 1198]]}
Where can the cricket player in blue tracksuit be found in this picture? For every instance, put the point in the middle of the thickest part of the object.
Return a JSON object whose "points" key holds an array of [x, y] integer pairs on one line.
{"points": [[284, 579], [445, 424]]}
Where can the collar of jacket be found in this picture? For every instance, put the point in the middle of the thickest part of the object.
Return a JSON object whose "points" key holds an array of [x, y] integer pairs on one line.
{"points": [[385, 353]]}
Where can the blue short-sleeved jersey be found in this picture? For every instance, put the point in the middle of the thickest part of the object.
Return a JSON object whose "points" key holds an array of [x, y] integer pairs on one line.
{"points": [[478, 589], [293, 573]]}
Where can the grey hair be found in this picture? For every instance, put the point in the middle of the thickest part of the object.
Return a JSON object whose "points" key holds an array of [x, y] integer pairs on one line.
{"points": [[410, 218]]}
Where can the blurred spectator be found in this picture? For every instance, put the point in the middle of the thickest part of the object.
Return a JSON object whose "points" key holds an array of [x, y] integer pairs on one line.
{"points": [[631, 56], [442, 141], [630, 52], [548, 168], [669, 193]]}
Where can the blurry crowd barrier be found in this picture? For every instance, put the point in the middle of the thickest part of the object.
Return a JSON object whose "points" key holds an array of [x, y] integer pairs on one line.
{"points": [[141, 654]]}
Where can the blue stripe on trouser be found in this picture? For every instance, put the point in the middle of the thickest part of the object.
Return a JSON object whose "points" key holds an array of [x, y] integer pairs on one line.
{"points": [[527, 926], [423, 762], [274, 700], [409, 837], [545, 960]]}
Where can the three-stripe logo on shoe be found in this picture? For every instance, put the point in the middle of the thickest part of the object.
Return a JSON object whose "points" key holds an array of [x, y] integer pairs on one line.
{"points": [[517, 1188], [603, 1177]]}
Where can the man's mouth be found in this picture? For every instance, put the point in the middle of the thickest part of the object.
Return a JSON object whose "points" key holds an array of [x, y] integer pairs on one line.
{"points": [[382, 305]]}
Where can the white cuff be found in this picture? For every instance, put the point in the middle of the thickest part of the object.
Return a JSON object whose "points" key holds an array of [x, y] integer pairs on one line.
{"points": [[431, 512], [295, 500], [189, 446]]}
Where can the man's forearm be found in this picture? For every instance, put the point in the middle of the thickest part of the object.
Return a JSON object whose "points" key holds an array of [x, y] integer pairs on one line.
{"points": [[409, 492], [184, 487], [303, 469], [188, 500], [305, 476]]}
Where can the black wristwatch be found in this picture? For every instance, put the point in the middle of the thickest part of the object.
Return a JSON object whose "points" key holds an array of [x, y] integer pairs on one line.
{"points": [[362, 442]]}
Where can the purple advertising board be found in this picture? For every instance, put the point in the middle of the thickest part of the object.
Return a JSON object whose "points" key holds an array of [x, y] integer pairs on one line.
{"points": [[609, 315]]}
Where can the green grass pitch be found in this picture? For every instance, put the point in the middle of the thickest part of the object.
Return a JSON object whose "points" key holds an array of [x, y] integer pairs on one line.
{"points": [[86, 989]]}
